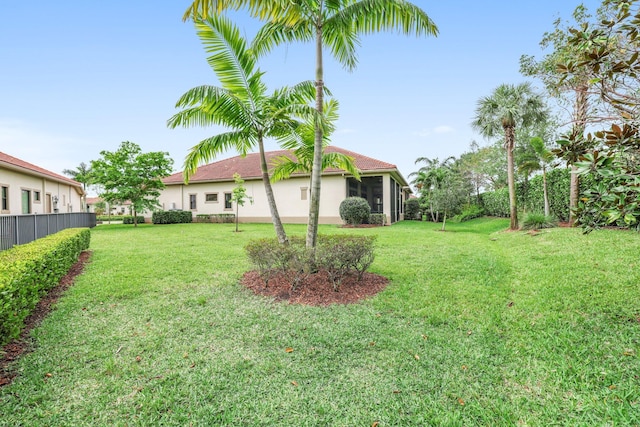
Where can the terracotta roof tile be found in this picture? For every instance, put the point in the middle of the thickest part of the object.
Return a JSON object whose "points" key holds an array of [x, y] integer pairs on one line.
{"points": [[249, 167], [14, 161]]}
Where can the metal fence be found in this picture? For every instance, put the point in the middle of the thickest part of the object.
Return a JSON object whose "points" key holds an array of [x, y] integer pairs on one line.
{"points": [[21, 229]]}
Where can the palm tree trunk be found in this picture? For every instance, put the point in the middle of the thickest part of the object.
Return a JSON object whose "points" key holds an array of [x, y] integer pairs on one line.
{"points": [[316, 170], [547, 210], [271, 200], [580, 119], [509, 134]]}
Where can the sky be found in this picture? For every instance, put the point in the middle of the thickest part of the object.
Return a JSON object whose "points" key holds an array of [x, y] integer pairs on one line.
{"points": [[79, 77]]}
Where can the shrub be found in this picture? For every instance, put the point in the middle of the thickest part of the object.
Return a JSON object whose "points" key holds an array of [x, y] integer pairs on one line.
{"points": [[377, 219], [338, 256], [128, 219], [28, 271], [216, 218], [412, 209], [109, 217], [469, 212], [355, 210], [537, 221], [496, 203], [171, 217]]}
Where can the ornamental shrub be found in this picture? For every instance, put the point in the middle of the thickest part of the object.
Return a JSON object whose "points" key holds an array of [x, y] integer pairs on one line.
{"points": [[412, 209], [468, 212], [128, 219], [377, 219], [28, 271], [172, 217], [355, 210], [537, 221]]}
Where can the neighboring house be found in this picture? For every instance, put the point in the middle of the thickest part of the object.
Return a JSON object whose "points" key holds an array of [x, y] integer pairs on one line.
{"points": [[210, 188], [29, 189], [116, 209]]}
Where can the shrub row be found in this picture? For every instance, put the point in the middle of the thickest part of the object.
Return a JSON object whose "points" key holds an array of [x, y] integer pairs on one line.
{"points": [[128, 219], [377, 219], [171, 217], [216, 218], [110, 217], [337, 255], [28, 271]]}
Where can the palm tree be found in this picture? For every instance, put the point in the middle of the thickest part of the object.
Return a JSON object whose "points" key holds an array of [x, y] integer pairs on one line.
{"points": [[545, 158], [241, 104], [334, 24], [302, 145], [430, 178], [82, 174], [507, 108]]}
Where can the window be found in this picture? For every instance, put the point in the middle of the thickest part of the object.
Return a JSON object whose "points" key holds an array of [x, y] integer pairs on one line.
{"points": [[303, 193], [192, 202], [211, 198], [36, 197], [26, 202], [227, 201], [5, 198]]}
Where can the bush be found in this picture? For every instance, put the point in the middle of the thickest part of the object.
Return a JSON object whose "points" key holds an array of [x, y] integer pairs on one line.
{"points": [[469, 212], [338, 256], [377, 219], [171, 217], [216, 218], [537, 221], [412, 209], [28, 271], [109, 217], [128, 219], [355, 210], [496, 203]]}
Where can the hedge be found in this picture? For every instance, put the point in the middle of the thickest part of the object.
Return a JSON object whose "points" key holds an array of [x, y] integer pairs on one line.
{"points": [[216, 218], [28, 271], [171, 217], [128, 219]]}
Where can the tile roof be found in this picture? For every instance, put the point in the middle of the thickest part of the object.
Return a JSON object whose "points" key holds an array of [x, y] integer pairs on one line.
{"points": [[16, 163], [249, 167]]}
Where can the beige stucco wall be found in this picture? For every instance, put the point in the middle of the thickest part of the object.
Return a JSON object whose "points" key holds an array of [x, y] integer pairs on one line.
{"points": [[69, 200], [288, 193]]}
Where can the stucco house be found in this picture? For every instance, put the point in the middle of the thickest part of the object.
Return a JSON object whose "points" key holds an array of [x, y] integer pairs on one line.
{"points": [[210, 188], [116, 209], [29, 189]]}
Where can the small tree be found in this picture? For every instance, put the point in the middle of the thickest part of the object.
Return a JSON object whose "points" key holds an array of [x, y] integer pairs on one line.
{"points": [[239, 195], [130, 175]]}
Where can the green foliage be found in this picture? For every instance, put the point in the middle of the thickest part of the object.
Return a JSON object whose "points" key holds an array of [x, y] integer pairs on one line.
{"points": [[336, 255], [129, 219], [377, 219], [496, 203], [130, 175], [469, 212], [355, 210], [537, 221], [171, 217], [239, 195], [412, 209], [216, 218], [28, 271], [110, 217]]}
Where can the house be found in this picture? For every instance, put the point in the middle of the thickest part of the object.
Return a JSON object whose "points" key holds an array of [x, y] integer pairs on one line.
{"points": [[210, 188], [124, 208], [29, 189]]}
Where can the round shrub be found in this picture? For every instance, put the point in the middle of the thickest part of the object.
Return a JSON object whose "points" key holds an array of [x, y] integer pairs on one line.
{"points": [[412, 209], [355, 210]]}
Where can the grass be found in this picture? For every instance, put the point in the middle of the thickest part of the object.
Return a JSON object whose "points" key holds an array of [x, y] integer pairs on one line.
{"points": [[478, 327]]}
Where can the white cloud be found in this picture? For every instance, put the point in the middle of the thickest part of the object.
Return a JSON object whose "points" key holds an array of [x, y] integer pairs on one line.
{"points": [[443, 129]]}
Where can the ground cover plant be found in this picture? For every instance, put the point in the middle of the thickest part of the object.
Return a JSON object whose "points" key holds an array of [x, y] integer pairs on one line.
{"points": [[477, 327]]}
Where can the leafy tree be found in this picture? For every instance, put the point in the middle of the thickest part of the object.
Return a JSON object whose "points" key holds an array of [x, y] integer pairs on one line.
{"points": [[302, 146], [429, 178], [506, 109], [332, 24], [241, 103], [130, 175], [545, 158], [449, 195], [239, 195]]}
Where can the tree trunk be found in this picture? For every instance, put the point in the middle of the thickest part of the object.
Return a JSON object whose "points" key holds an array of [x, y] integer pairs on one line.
{"points": [[580, 120], [444, 220], [547, 210], [271, 200], [509, 135], [237, 212], [135, 218], [316, 171]]}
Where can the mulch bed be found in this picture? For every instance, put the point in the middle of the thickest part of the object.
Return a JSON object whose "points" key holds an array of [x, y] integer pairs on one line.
{"points": [[14, 349], [317, 289]]}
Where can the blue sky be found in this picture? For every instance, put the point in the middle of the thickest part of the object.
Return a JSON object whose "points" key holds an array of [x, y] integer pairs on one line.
{"points": [[78, 77]]}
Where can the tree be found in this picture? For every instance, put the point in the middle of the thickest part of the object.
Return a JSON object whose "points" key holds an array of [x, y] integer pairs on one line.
{"points": [[332, 24], [239, 195], [241, 103], [545, 158], [302, 146], [130, 175], [429, 179], [506, 109], [82, 174]]}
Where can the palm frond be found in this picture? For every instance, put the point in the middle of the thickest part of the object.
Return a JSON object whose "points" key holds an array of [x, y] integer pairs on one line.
{"points": [[277, 32]]}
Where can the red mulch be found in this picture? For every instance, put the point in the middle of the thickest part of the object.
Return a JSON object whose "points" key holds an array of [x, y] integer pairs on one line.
{"points": [[14, 349], [316, 289]]}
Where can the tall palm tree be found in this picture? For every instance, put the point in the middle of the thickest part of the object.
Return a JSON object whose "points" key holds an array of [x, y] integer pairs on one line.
{"points": [[334, 24], [241, 104], [302, 146], [507, 108], [82, 174]]}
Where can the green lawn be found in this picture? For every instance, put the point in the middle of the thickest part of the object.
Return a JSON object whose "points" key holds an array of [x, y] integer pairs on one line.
{"points": [[478, 327]]}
